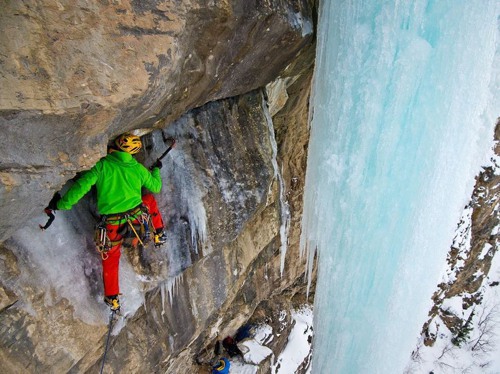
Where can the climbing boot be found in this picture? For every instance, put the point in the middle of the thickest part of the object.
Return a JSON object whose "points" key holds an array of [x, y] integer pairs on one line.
{"points": [[113, 302], [160, 238]]}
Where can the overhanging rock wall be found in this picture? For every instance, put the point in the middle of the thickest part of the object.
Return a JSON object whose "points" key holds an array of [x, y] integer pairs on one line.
{"points": [[75, 74], [203, 72]]}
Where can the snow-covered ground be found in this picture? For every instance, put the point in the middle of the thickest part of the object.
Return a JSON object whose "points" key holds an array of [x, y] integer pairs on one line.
{"points": [[480, 353], [478, 350], [297, 351]]}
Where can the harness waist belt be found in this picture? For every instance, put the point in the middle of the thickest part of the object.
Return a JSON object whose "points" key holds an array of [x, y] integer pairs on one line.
{"points": [[120, 218]]}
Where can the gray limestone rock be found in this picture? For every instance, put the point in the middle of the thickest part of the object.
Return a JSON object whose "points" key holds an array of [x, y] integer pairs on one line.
{"points": [[76, 74]]}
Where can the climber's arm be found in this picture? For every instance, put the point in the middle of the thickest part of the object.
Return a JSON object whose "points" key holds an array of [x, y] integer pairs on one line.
{"points": [[78, 190], [152, 180]]}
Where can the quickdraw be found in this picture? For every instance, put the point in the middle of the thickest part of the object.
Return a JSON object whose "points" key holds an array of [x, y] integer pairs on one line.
{"points": [[102, 241]]}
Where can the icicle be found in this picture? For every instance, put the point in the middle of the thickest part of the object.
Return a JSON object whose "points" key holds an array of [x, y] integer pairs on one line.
{"points": [[284, 208], [307, 245], [169, 287], [162, 292]]}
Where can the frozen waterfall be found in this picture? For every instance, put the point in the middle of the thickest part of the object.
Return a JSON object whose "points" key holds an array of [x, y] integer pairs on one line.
{"points": [[406, 96]]}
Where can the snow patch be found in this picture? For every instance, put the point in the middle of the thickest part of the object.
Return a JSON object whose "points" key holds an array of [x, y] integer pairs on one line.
{"points": [[297, 351], [298, 347]]}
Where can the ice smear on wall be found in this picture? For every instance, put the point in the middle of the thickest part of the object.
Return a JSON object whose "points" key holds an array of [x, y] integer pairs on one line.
{"points": [[284, 208], [183, 190], [62, 262], [59, 264], [298, 22]]}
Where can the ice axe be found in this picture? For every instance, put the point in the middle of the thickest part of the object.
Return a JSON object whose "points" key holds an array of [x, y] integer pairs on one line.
{"points": [[164, 153], [51, 215], [49, 210]]}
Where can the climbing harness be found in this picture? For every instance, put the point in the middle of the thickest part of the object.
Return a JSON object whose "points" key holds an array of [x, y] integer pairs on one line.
{"points": [[138, 220], [110, 327]]}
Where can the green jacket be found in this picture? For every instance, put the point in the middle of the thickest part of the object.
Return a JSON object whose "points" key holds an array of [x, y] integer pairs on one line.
{"points": [[119, 179]]}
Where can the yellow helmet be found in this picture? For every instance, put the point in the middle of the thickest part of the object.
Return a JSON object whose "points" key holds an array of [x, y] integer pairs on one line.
{"points": [[129, 143]]}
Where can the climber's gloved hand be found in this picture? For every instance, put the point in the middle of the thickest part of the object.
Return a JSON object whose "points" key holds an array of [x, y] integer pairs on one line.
{"points": [[53, 202], [157, 164]]}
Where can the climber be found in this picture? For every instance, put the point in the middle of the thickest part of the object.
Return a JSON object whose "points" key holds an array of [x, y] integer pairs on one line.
{"points": [[231, 347], [244, 332], [119, 179]]}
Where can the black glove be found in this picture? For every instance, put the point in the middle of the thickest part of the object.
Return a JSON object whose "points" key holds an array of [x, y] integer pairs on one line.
{"points": [[53, 202], [157, 164]]}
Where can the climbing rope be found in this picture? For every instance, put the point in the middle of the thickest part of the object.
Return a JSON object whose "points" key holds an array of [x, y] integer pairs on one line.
{"points": [[134, 230], [110, 327]]}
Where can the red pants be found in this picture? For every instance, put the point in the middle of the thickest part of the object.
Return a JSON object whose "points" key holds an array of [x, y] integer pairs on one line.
{"points": [[111, 264]]}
